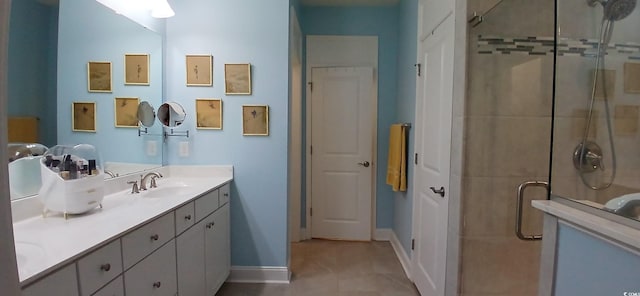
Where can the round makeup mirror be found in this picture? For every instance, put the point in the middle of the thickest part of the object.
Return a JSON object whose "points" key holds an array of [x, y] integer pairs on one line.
{"points": [[146, 114], [171, 114]]}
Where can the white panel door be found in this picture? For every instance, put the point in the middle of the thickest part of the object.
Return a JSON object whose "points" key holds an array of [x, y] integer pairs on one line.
{"points": [[342, 163], [433, 144], [434, 12]]}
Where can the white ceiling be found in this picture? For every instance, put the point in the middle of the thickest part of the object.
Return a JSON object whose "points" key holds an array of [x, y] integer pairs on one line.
{"points": [[348, 2]]}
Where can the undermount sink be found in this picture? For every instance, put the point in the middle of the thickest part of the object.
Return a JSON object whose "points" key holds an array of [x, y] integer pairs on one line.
{"points": [[167, 191]]}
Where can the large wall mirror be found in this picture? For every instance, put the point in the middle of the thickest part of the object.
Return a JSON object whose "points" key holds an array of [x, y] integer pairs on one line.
{"points": [[50, 46]]}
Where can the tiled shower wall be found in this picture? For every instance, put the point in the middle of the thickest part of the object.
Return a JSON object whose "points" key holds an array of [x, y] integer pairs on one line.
{"points": [[578, 21], [507, 141]]}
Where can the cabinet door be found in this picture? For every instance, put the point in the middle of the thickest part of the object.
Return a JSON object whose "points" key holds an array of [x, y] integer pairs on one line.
{"points": [[217, 249], [98, 268], [190, 251], [115, 288], [155, 275], [61, 283]]}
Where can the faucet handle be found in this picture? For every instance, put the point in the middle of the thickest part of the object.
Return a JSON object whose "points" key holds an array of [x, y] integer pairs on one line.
{"points": [[134, 189], [153, 181]]}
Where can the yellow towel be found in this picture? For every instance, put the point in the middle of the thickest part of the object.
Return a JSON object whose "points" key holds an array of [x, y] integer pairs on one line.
{"points": [[397, 163]]}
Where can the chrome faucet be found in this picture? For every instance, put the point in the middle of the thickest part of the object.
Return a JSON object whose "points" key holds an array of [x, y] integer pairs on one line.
{"points": [[153, 176]]}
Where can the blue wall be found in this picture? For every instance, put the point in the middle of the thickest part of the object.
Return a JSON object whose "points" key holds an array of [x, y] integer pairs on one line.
{"points": [[379, 21], [92, 32], [32, 64], [406, 100], [238, 31], [588, 266]]}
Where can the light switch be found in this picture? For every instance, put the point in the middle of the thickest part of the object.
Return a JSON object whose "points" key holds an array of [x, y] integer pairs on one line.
{"points": [[184, 149], [152, 148]]}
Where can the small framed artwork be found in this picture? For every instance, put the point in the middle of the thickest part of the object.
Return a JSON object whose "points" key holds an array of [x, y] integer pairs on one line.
{"points": [[126, 112], [199, 70], [255, 120], [209, 113], [83, 117], [136, 69], [99, 76], [237, 79]]}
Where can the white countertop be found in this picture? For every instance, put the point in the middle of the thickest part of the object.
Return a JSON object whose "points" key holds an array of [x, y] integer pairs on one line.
{"points": [[611, 229], [44, 244]]}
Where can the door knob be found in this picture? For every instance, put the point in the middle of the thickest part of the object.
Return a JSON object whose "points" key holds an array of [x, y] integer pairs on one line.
{"points": [[364, 164], [438, 191]]}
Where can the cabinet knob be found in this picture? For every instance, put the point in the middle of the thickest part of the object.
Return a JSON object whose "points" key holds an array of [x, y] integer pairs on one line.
{"points": [[157, 284], [105, 267], [226, 194], [211, 224], [155, 237], [187, 217]]}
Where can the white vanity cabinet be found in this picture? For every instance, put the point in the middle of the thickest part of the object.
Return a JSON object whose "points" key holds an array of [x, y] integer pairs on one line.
{"points": [[62, 282], [204, 254], [100, 267], [155, 275], [217, 249], [184, 251]]}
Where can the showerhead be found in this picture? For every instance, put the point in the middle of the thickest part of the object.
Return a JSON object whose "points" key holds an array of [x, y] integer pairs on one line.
{"points": [[615, 10]]}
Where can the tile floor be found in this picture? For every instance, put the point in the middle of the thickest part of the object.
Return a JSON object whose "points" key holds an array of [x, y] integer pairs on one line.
{"points": [[335, 268]]}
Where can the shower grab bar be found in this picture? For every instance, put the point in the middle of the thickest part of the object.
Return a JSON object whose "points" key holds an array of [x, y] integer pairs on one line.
{"points": [[520, 198]]}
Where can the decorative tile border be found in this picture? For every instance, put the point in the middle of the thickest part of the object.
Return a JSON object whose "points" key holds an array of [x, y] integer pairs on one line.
{"points": [[542, 45]]}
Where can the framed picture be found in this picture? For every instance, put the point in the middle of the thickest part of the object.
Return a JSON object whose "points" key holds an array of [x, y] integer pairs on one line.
{"points": [[83, 116], [199, 70], [126, 112], [237, 79], [255, 120], [99, 76], [136, 69], [209, 113]]}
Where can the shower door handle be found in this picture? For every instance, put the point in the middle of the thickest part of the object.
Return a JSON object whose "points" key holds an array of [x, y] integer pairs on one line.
{"points": [[521, 189]]}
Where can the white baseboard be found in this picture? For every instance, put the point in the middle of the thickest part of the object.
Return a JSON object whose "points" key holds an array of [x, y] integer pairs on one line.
{"points": [[402, 255], [260, 274], [382, 234]]}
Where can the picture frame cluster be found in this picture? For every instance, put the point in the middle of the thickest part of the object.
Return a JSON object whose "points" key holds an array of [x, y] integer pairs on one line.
{"points": [[198, 73]]}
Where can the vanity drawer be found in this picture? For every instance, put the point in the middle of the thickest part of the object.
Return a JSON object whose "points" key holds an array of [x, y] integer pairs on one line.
{"points": [[206, 204], [115, 288], [62, 282], [225, 194], [99, 267], [155, 275], [185, 217], [144, 240]]}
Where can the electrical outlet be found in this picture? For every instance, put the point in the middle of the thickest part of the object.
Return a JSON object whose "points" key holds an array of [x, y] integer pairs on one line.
{"points": [[184, 149], [152, 148]]}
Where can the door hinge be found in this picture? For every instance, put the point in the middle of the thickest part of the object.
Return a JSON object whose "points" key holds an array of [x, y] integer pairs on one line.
{"points": [[310, 86], [419, 66], [413, 244], [311, 152], [415, 158], [310, 211]]}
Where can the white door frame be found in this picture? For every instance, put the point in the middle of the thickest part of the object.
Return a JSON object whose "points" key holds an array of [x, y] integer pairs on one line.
{"points": [[345, 51], [295, 128]]}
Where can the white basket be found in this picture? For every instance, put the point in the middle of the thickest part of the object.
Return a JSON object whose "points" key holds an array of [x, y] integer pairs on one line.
{"points": [[70, 196]]}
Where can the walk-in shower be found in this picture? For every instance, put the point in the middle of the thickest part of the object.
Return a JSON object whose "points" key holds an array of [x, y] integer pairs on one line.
{"points": [[588, 157]]}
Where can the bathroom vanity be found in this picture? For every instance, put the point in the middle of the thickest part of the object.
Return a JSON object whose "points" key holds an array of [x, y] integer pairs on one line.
{"points": [[163, 241], [585, 254]]}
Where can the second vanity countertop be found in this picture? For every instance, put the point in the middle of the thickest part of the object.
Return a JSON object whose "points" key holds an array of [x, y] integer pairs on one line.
{"points": [[44, 244]]}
